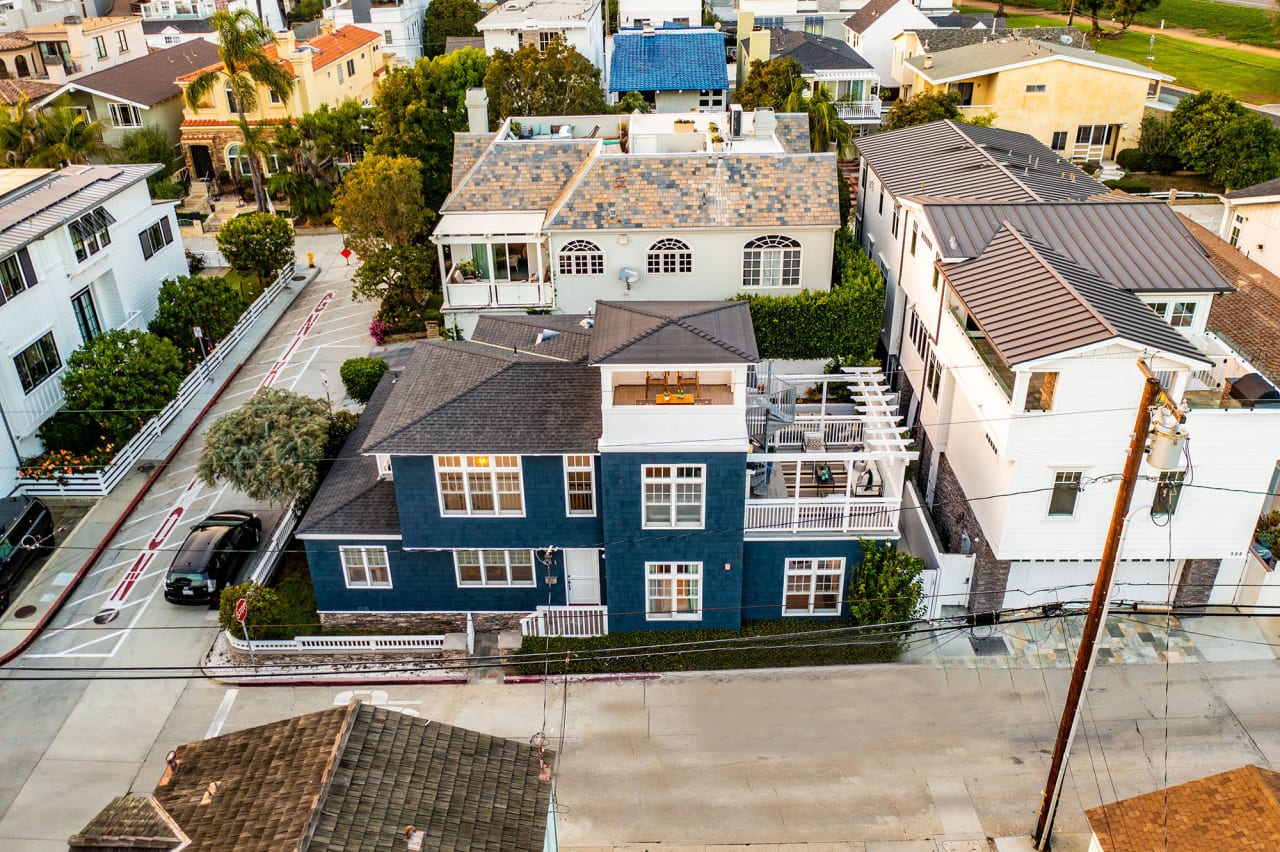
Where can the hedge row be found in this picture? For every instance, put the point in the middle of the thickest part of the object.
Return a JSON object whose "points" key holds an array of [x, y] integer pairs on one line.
{"points": [[781, 652]]}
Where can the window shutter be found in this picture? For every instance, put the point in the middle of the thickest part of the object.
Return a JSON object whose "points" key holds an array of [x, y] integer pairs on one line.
{"points": [[147, 249], [28, 271], [168, 232]]}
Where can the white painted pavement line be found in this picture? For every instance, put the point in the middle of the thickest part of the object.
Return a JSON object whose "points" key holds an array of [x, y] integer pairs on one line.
{"points": [[220, 717], [86, 598], [74, 624], [104, 569], [70, 652], [303, 371]]}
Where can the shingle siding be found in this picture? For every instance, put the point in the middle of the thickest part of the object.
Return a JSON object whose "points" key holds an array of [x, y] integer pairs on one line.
{"points": [[764, 571]]}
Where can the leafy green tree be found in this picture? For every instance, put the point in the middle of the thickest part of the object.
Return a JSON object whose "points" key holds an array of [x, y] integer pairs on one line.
{"points": [[149, 144], [922, 109], [446, 18], [360, 376], [122, 378], [1125, 11], [1093, 8], [19, 133], [886, 587], [265, 617], [317, 141], [380, 204], [404, 274], [67, 137], [1157, 145], [1234, 146], [242, 41], [256, 243], [630, 102], [268, 448], [826, 128], [419, 108], [770, 84], [556, 81], [214, 304]]}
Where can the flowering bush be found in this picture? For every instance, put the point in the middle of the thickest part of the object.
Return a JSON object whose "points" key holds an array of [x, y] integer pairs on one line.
{"points": [[379, 329], [60, 464]]}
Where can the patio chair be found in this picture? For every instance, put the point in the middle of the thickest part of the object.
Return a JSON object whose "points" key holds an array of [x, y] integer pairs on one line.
{"points": [[684, 380], [658, 381]]}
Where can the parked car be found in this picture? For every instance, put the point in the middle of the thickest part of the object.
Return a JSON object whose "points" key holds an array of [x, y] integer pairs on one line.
{"points": [[27, 535], [208, 560]]}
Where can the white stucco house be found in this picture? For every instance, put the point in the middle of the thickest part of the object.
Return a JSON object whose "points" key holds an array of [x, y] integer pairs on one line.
{"points": [[556, 212], [82, 250], [872, 29], [510, 26], [659, 13], [1251, 223], [1019, 306], [170, 22], [399, 22]]}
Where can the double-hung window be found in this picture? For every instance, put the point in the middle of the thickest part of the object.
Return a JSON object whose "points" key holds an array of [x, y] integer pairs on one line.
{"points": [[813, 586], [365, 567], [674, 496], [155, 238], [494, 568], [813, 24], [122, 41], [90, 234], [580, 485], [37, 362], [100, 47], [124, 115], [351, 68], [16, 274], [673, 590], [480, 485], [1066, 488]]}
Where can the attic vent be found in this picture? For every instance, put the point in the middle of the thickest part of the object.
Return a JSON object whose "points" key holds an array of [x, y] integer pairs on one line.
{"points": [[545, 335]]}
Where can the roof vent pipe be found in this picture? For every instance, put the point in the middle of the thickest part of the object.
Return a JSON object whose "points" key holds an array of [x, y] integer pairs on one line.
{"points": [[928, 61]]}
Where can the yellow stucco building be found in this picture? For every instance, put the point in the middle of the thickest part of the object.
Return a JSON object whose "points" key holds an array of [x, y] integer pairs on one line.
{"points": [[338, 65], [1081, 103]]}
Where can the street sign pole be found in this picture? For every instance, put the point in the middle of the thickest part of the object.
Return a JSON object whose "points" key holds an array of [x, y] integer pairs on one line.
{"points": [[242, 612]]}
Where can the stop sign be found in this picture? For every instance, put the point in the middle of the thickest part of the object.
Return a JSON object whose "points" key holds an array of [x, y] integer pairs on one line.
{"points": [[242, 609]]}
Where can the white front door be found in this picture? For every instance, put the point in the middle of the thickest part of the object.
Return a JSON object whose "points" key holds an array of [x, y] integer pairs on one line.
{"points": [[582, 576]]}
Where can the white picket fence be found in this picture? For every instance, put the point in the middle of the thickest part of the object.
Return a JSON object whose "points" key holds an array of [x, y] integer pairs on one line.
{"points": [[570, 621], [99, 483], [337, 644]]}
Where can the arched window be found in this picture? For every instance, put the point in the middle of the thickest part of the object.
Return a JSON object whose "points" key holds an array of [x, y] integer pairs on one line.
{"points": [[238, 163], [771, 261], [20, 66], [581, 257], [670, 257]]}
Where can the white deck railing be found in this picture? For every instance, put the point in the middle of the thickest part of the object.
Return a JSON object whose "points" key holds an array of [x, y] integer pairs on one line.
{"points": [[567, 621], [337, 644], [857, 110], [837, 431], [498, 294], [870, 515]]}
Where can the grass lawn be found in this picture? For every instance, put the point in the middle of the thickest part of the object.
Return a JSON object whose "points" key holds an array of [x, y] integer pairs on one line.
{"points": [[1243, 24], [1245, 76]]}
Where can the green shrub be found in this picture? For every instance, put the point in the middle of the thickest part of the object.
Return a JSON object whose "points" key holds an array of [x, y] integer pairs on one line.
{"points": [[1132, 160], [1267, 532], [827, 648], [360, 376], [213, 304], [1125, 185], [167, 190], [76, 431], [886, 587]]}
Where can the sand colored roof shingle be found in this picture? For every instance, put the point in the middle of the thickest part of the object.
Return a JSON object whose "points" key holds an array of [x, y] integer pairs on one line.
{"points": [[527, 175], [58, 28], [1235, 811], [326, 49], [733, 191], [792, 131], [989, 57], [467, 148], [14, 41]]}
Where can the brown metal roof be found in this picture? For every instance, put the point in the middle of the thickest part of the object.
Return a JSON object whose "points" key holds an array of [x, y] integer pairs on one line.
{"points": [[673, 333], [1139, 245]]}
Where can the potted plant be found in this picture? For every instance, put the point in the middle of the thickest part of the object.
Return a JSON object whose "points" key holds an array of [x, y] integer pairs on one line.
{"points": [[515, 129], [683, 125], [467, 269]]}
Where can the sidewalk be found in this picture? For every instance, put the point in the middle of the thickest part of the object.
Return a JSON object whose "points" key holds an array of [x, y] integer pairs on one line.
{"points": [[77, 548]]}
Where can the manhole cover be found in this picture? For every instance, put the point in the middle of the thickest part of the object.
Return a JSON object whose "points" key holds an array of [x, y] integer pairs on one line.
{"points": [[106, 616], [24, 611], [299, 278]]}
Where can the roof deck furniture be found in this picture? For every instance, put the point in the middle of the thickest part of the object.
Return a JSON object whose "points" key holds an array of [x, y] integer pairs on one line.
{"points": [[814, 442]]}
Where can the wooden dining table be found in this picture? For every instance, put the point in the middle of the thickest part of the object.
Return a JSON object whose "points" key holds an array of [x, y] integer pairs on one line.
{"points": [[674, 399]]}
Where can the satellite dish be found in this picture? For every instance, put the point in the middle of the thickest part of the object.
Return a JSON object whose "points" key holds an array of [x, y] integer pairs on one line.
{"points": [[1065, 39], [628, 276]]}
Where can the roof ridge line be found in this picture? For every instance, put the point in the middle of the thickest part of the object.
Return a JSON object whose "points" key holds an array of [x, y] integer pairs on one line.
{"points": [[1040, 259], [571, 185], [330, 770], [520, 351]]}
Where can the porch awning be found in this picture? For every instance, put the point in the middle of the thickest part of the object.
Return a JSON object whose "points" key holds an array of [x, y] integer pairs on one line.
{"points": [[488, 224]]}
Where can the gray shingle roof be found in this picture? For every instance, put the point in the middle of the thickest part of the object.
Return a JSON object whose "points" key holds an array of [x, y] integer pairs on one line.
{"points": [[520, 175], [792, 131], [983, 58], [1258, 190], [944, 159], [1140, 245], [661, 333], [63, 196], [149, 80], [732, 191], [353, 500], [946, 39], [815, 52], [1032, 302], [520, 332], [473, 398]]}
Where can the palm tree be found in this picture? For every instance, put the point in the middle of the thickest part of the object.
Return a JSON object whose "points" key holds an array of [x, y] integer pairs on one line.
{"points": [[19, 133], [67, 137], [242, 40], [825, 125]]}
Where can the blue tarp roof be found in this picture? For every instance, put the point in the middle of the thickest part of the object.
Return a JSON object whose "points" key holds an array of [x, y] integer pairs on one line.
{"points": [[667, 61]]}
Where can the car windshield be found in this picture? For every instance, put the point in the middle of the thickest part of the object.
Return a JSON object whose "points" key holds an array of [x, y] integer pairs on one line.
{"points": [[194, 578]]}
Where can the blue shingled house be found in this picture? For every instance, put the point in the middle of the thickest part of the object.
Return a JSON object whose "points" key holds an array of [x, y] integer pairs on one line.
{"points": [[677, 69], [575, 475]]}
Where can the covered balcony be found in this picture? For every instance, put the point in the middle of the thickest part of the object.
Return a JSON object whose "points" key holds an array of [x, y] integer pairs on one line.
{"points": [[493, 270], [673, 387], [838, 466]]}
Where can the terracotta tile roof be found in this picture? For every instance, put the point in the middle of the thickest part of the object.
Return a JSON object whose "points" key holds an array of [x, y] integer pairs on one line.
{"points": [[327, 49], [228, 122], [520, 175], [467, 148], [14, 41], [1249, 318], [12, 91], [1235, 811], [682, 191]]}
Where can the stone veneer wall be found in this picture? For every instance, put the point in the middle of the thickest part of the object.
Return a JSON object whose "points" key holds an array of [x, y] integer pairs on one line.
{"points": [[427, 623], [954, 516], [1196, 582]]}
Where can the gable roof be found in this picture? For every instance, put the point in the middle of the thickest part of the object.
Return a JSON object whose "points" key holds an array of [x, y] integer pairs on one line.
{"points": [[456, 43], [14, 90], [469, 397], [673, 333], [351, 778], [792, 130], [681, 191], [1113, 239], [30, 214], [973, 60], [1234, 811], [1032, 302], [862, 19], [519, 175], [943, 159], [1266, 189], [952, 19], [353, 499], [467, 149], [953, 37], [324, 50], [668, 60], [129, 822], [571, 340], [147, 80], [815, 52]]}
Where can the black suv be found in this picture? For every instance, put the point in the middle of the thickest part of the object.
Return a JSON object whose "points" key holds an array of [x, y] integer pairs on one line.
{"points": [[208, 560]]}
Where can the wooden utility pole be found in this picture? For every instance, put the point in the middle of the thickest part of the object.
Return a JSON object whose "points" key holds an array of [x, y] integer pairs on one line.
{"points": [[1097, 617]]}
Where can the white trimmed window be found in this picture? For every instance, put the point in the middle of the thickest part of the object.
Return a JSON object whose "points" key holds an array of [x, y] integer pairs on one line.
{"points": [[581, 257], [673, 591], [813, 586], [670, 257], [1066, 488], [125, 115], [480, 485], [580, 485], [365, 567], [494, 568], [674, 496], [771, 261], [384, 466]]}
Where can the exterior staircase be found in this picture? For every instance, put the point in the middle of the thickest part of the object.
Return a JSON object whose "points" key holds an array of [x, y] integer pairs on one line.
{"points": [[1110, 171], [771, 406]]}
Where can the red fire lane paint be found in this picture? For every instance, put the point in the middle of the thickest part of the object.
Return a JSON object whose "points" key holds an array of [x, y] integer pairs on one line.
{"points": [[121, 592]]}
